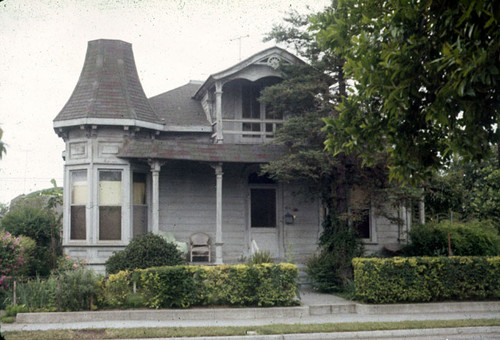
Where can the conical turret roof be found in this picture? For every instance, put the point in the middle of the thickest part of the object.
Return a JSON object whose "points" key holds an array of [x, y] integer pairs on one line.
{"points": [[109, 91]]}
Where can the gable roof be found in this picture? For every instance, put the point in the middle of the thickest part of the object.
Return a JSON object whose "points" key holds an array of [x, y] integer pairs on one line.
{"points": [[178, 110], [195, 151], [109, 91], [261, 58]]}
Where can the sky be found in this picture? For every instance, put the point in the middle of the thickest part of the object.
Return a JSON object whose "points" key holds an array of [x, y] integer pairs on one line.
{"points": [[42, 50]]}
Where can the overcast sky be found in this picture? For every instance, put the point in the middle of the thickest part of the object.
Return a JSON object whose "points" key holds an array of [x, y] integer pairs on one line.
{"points": [[43, 45]]}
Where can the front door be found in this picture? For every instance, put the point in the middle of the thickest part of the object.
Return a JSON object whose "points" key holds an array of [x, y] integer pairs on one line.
{"points": [[264, 231]]}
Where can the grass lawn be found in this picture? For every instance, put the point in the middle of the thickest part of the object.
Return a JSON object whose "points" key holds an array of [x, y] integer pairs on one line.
{"points": [[131, 333]]}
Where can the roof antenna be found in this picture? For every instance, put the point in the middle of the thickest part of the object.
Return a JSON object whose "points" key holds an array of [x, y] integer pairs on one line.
{"points": [[239, 41]]}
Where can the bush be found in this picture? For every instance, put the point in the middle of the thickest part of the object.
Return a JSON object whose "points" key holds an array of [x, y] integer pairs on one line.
{"points": [[10, 258], [41, 225], [11, 312], [185, 286], [467, 239], [331, 269], [423, 279], [323, 270], [76, 288], [117, 291], [261, 257], [145, 251], [64, 290], [28, 252], [38, 294]]}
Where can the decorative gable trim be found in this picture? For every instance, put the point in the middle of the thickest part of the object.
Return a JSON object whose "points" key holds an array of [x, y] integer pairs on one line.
{"points": [[270, 57]]}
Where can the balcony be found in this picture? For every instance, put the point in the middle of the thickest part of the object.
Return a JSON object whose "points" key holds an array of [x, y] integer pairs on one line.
{"points": [[248, 130]]}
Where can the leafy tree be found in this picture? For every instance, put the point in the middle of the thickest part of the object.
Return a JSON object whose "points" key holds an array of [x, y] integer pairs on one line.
{"points": [[3, 149], [308, 93], [466, 191], [425, 78]]}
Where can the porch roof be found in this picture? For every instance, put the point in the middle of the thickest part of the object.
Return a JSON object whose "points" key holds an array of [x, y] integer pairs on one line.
{"points": [[192, 151]]}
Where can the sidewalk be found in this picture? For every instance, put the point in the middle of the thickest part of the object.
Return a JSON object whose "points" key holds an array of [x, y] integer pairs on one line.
{"points": [[315, 308]]}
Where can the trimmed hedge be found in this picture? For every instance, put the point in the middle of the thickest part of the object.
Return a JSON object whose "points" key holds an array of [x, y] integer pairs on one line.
{"points": [[184, 286], [424, 279]]}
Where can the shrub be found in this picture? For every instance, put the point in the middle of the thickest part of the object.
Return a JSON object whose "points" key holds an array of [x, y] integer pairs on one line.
{"points": [[148, 250], [38, 294], [423, 279], [64, 290], [28, 252], [117, 291], [467, 239], [185, 286], [260, 257], [41, 225], [10, 258], [167, 287], [11, 312], [323, 270], [331, 269], [75, 289]]}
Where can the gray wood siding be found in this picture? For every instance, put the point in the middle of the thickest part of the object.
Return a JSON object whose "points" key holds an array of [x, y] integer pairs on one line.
{"points": [[188, 205], [301, 237]]}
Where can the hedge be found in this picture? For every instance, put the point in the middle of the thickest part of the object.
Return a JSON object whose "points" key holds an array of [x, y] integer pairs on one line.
{"points": [[184, 286], [424, 279]]}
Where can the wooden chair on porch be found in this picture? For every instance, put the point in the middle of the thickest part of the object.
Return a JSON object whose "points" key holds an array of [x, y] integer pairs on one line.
{"points": [[199, 246]]}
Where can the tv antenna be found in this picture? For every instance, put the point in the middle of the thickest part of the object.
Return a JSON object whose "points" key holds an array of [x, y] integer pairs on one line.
{"points": [[239, 42]]}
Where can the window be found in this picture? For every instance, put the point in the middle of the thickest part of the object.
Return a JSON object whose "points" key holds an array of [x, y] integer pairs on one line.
{"points": [[361, 222], [110, 205], [266, 122], [78, 230], [140, 205], [251, 109]]}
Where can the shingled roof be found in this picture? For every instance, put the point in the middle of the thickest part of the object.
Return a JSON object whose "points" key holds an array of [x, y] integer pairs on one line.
{"points": [[192, 151], [178, 109], [109, 90]]}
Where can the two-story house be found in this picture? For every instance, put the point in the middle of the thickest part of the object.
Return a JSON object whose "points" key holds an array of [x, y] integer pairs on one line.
{"points": [[182, 162]]}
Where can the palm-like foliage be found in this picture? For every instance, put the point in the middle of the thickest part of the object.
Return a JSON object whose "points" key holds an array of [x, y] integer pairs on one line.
{"points": [[3, 150]]}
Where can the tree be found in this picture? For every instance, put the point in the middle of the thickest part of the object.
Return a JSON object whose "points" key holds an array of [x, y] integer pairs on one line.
{"points": [[425, 78], [466, 191], [3, 150], [308, 93]]}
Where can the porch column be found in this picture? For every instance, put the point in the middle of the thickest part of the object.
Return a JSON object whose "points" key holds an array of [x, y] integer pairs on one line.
{"points": [[218, 113], [421, 209], [218, 215], [155, 204]]}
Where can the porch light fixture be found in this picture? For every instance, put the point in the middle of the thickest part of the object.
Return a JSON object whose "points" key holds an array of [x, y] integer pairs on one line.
{"points": [[289, 218]]}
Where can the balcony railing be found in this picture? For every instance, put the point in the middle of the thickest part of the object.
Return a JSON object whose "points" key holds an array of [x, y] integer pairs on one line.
{"points": [[252, 129]]}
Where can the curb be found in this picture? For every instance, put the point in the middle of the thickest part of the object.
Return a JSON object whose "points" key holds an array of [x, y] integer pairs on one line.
{"points": [[429, 333], [433, 307]]}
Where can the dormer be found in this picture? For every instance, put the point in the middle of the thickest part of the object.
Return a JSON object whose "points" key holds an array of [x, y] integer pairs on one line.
{"points": [[230, 98]]}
